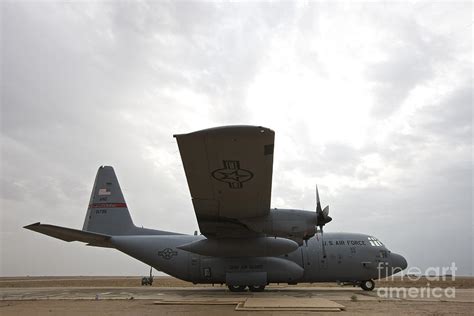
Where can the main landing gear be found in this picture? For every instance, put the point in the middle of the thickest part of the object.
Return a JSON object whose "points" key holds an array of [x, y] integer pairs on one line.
{"points": [[242, 288], [367, 285]]}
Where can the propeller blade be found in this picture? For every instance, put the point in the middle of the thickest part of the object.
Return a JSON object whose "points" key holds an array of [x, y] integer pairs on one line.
{"points": [[328, 219], [318, 203], [322, 242], [326, 211]]}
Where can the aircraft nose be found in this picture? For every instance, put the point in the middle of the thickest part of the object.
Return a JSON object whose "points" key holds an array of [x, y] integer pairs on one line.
{"points": [[398, 261]]}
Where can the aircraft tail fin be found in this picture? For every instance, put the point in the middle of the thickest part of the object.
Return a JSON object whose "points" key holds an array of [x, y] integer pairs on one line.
{"points": [[107, 212]]}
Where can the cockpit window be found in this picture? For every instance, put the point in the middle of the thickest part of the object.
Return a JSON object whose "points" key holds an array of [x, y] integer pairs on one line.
{"points": [[375, 242]]}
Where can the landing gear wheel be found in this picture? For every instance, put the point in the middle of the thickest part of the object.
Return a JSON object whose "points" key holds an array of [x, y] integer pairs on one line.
{"points": [[367, 285], [237, 288], [256, 288]]}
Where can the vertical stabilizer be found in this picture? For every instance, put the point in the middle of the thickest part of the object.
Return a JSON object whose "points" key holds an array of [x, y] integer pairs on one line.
{"points": [[107, 212]]}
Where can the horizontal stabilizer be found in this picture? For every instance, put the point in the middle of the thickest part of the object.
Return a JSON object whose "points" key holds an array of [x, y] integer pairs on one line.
{"points": [[69, 234]]}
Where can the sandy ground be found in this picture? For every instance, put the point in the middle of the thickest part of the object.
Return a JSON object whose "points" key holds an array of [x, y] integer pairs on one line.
{"points": [[122, 296]]}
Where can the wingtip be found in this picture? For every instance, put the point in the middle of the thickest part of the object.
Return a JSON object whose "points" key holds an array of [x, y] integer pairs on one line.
{"points": [[106, 167], [32, 225]]}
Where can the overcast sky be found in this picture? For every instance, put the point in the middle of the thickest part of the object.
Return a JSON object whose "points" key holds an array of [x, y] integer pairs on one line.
{"points": [[371, 101]]}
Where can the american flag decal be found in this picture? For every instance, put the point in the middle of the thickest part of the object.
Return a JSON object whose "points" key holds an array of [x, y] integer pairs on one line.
{"points": [[104, 192]]}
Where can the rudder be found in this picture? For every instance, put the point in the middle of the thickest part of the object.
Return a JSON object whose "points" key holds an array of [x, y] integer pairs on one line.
{"points": [[107, 212]]}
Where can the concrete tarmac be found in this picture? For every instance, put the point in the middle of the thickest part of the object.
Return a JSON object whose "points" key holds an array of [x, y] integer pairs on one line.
{"points": [[185, 293], [174, 293]]}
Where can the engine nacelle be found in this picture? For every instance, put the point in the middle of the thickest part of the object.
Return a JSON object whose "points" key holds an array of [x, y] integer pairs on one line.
{"points": [[293, 224]]}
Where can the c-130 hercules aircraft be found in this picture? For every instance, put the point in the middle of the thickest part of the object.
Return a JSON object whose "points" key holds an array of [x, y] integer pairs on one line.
{"points": [[244, 243]]}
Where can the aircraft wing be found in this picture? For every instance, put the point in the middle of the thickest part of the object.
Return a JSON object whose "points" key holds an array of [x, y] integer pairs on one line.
{"points": [[229, 173], [69, 234]]}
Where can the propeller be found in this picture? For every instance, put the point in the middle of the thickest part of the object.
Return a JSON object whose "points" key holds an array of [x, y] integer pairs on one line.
{"points": [[322, 218]]}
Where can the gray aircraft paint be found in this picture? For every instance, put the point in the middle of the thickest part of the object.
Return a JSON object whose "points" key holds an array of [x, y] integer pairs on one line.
{"points": [[341, 264], [241, 247]]}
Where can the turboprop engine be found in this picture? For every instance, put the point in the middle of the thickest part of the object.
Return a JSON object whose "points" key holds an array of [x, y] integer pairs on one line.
{"points": [[297, 225], [292, 224]]}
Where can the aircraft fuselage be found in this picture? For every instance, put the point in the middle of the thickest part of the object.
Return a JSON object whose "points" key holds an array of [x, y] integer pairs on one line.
{"points": [[349, 257]]}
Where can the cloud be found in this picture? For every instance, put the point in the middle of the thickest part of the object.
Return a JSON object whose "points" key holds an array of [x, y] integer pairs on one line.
{"points": [[450, 120], [372, 102], [412, 52]]}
